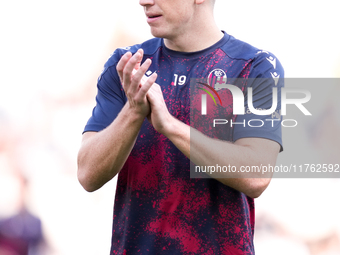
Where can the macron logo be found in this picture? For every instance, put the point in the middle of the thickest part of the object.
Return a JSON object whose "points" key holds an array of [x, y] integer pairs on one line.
{"points": [[149, 73], [272, 61]]}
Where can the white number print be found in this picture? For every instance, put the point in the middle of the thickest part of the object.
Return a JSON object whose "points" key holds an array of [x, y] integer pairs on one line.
{"points": [[181, 80]]}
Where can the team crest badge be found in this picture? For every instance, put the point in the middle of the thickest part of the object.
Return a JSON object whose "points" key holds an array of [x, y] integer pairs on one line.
{"points": [[217, 76]]}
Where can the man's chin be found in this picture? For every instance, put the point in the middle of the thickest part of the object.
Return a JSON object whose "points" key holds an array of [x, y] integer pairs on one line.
{"points": [[157, 33]]}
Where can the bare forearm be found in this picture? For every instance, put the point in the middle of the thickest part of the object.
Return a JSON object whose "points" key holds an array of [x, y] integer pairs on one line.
{"points": [[205, 151], [103, 154]]}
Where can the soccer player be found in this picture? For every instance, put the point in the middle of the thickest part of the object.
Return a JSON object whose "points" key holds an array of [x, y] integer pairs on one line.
{"points": [[141, 131]]}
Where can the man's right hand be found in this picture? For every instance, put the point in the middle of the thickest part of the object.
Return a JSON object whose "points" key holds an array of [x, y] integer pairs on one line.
{"points": [[135, 93], [102, 154]]}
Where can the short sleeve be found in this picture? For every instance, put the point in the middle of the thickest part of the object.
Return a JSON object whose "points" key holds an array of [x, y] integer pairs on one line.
{"points": [[110, 97], [266, 73]]}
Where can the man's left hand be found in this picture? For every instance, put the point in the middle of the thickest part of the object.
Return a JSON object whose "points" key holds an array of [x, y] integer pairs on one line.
{"points": [[159, 117]]}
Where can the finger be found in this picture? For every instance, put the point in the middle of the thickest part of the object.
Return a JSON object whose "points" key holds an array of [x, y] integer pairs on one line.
{"points": [[154, 92], [150, 95], [147, 85], [139, 77], [127, 72], [137, 66], [156, 89], [121, 64]]}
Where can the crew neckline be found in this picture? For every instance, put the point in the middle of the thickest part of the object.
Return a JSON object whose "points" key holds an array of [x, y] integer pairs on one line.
{"points": [[194, 54]]}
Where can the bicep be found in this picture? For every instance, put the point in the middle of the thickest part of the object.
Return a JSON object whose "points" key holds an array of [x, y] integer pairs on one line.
{"points": [[263, 88]]}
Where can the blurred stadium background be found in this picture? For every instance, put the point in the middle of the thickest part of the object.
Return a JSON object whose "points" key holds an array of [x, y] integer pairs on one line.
{"points": [[50, 57]]}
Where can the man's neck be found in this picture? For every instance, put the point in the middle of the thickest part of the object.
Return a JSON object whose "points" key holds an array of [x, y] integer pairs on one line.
{"points": [[199, 39]]}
